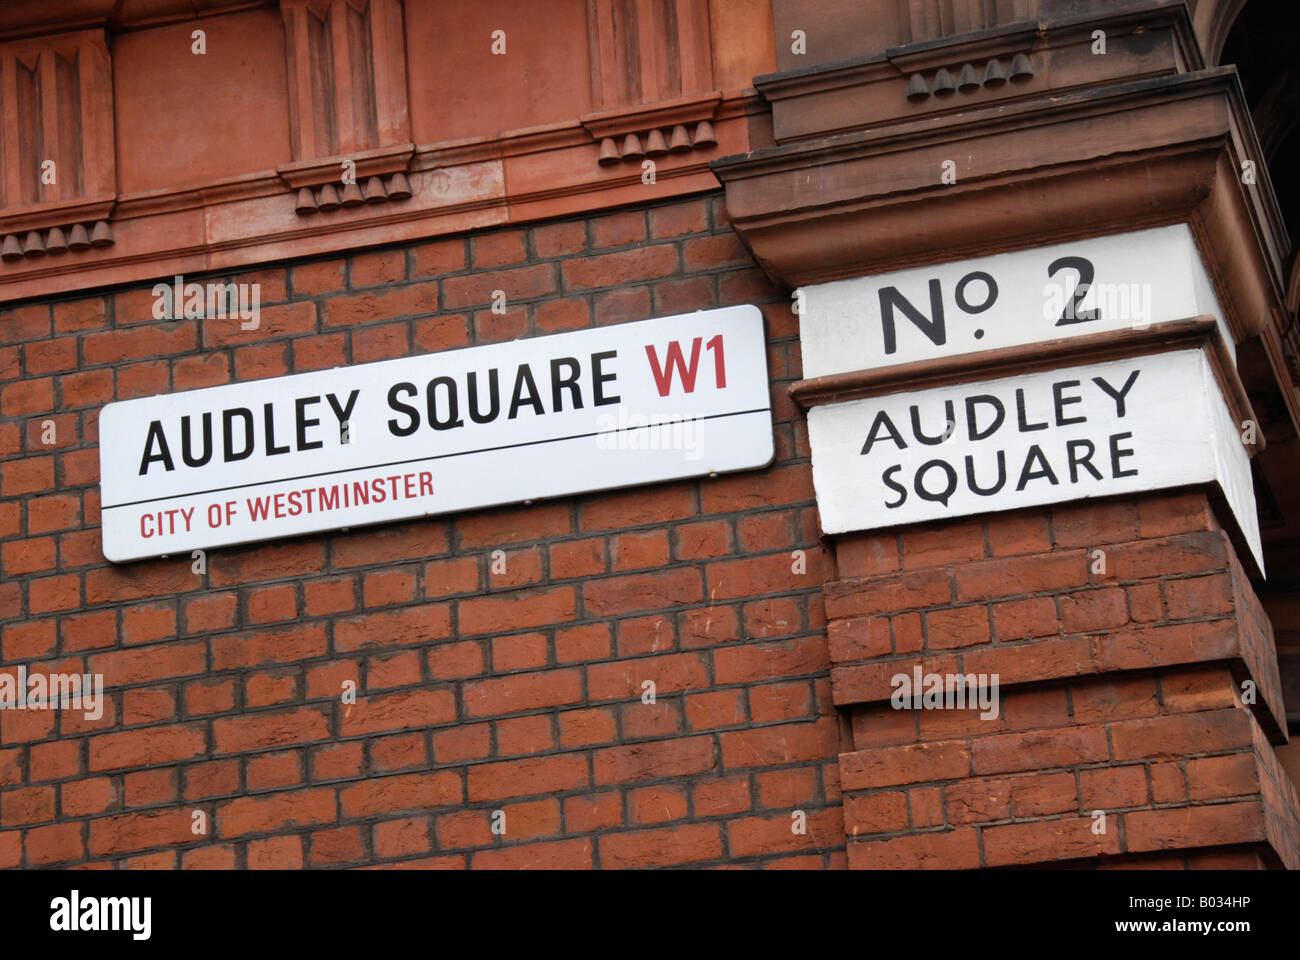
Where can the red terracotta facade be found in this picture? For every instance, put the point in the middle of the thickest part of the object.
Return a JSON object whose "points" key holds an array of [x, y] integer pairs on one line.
{"points": [[602, 163]]}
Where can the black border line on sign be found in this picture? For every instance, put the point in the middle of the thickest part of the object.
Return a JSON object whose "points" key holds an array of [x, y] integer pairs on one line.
{"points": [[438, 456]]}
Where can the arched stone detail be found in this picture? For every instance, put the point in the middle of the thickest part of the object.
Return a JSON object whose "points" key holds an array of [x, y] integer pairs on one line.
{"points": [[1213, 20]]}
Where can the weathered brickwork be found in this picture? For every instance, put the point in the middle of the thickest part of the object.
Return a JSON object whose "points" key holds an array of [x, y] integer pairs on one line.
{"points": [[1121, 632], [499, 657], [477, 691]]}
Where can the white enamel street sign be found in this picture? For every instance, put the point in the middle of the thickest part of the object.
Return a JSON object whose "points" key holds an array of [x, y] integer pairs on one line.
{"points": [[1085, 431], [636, 403], [1029, 296]]}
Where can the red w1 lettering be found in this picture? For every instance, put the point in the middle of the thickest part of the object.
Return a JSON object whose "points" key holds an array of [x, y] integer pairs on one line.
{"points": [[675, 360]]}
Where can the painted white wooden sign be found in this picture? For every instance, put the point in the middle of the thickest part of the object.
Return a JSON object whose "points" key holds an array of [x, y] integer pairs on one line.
{"points": [[1097, 430], [616, 406], [1028, 296]]}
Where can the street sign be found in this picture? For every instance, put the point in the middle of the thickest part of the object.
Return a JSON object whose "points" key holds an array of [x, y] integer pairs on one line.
{"points": [[1120, 427], [1129, 280], [617, 406]]}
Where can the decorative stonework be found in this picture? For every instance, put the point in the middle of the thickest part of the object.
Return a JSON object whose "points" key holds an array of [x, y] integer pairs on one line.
{"points": [[927, 19], [656, 143], [328, 197], [345, 151], [643, 53], [347, 82], [56, 240], [367, 177], [992, 76], [56, 100], [347, 103], [678, 126], [56, 140]]}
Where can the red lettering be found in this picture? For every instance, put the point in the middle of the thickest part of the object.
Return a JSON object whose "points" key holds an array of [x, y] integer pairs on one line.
{"points": [[719, 364], [664, 375]]}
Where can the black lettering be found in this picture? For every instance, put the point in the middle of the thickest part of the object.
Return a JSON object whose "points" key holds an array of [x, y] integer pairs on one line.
{"points": [[269, 419], [982, 491], [163, 455], [598, 397], [227, 433], [1060, 401], [991, 292], [1025, 426], [345, 414], [397, 389], [303, 423], [1121, 394], [934, 329], [887, 479], [948, 425], [882, 420], [453, 404], [1085, 461], [972, 429], [186, 451], [522, 379], [494, 396], [1086, 271], [1026, 474], [942, 496], [569, 383], [1116, 453]]}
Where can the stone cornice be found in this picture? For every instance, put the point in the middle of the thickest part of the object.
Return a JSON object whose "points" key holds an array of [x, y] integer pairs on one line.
{"points": [[335, 148], [998, 41], [958, 73], [520, 175], [18, 20], [1033, 172]]}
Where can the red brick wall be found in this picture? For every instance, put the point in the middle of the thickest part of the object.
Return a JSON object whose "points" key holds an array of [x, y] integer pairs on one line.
{"points": [[476, 691], [1121, 691]]}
